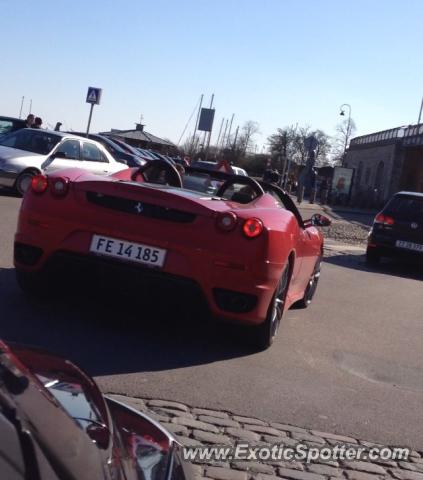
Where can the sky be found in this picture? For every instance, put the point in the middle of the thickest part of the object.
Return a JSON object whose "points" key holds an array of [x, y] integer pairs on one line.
{"points": [[275, 62]]}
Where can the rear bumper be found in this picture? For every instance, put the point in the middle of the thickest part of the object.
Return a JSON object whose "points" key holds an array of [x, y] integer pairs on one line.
{"points": [[386, 246], [235, 294]]}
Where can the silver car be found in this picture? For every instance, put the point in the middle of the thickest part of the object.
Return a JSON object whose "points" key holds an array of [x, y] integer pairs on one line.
{"points": [[29, 151]]}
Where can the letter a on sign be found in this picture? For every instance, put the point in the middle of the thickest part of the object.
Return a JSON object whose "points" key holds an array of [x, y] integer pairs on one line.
{"points": [[93, 95]]}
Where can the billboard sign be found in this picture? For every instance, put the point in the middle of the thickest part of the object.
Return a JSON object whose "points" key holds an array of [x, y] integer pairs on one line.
{"points": [[206, 120], [342, 182]]}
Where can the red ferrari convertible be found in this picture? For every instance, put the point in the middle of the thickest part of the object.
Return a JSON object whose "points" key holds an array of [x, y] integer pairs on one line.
{"points": [[239, 244]]}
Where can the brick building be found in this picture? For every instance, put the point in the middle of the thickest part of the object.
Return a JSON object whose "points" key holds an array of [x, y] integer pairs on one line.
{"points": [[384, 163]]}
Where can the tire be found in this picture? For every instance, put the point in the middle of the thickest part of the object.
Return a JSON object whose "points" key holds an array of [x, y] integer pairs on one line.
{"points": [[267, 331], [373, 256], [24, 181], [33, 284], [311, 286]]}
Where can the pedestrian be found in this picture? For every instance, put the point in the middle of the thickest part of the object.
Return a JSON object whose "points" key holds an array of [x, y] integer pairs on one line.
{"points": [[180, 168], [29, 122], [57, 127], [37, 122], [267, 175]]}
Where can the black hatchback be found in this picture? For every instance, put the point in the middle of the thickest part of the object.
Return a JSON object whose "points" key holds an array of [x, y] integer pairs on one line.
{"points": [[398, 228], [10, 124]]}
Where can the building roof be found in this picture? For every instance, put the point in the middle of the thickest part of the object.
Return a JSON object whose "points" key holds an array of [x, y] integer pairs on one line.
{"points": [[407, 135], [140, 135]]}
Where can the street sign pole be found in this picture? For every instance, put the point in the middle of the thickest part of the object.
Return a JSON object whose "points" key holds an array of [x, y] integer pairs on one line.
{"points": [[93, 97], [89, 119], [211, 128], [20, 111]]}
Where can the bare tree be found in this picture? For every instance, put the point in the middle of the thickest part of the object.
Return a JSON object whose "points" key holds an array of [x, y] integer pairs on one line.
{"points": [[300, 155], [245, 140], [323, 149], [189, 146], [289, 143], [344, 131], [283, 146]]}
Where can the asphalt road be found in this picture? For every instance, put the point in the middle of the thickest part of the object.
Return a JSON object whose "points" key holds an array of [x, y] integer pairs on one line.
{"points": [[351, 364]]}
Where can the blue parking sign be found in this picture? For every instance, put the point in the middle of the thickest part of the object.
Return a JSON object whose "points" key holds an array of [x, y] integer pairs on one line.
{"points": [[94, 95]]}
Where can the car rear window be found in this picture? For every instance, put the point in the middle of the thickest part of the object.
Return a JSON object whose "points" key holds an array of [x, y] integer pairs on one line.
{"points": [[406, 207], [31, 141], [5, 126]]}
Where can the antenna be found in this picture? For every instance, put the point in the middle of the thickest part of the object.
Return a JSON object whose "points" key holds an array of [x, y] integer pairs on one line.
{"points": [[20, 111]]}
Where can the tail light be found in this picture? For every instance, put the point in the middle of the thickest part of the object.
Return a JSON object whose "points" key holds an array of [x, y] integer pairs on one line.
{"points": [[59, 186], [226, 221], [252, 227], [39, 183], [384, 219]]}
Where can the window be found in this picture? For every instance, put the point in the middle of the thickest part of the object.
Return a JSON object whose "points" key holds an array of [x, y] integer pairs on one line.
{"points": [[367, 179], [5, 126], [91, 153], [31, 141], [359, 173], [406, 207], [379, 175], [71, 149]]}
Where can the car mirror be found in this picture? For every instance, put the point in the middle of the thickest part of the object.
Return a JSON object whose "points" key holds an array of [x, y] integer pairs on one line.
{"points": [[59, 154], [318, 220], [75, 391], [99, 433]]}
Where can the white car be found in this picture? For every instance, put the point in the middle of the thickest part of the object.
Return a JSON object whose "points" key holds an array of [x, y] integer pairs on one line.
{"points": [[29, 151]]}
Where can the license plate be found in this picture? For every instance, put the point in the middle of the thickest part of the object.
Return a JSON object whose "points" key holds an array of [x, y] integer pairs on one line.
{"points": [[133, 252], [416, 247]]}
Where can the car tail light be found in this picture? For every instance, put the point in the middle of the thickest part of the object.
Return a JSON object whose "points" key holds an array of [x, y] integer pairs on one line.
{"points": [[252, 227], [39, 183], [384, 219], [226, 221], [59, 186]]}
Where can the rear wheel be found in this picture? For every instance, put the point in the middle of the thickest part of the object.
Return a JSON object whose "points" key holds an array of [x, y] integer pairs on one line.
{"points": [[23, 182], [373, 256], [311, 286], [267, 331]]}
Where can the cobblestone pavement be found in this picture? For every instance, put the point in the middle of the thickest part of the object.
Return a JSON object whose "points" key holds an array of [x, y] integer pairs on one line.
{"points": [[348, 227], [199, 426], [347, 232]]}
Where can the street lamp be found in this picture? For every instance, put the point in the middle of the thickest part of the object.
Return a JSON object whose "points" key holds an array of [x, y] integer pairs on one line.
{"points": [[342, 113]]}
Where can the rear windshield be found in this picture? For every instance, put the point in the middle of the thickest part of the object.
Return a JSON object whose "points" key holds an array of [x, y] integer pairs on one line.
{"points": [[201, 182], [5, 126], [30, 140], [406, 208]]}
